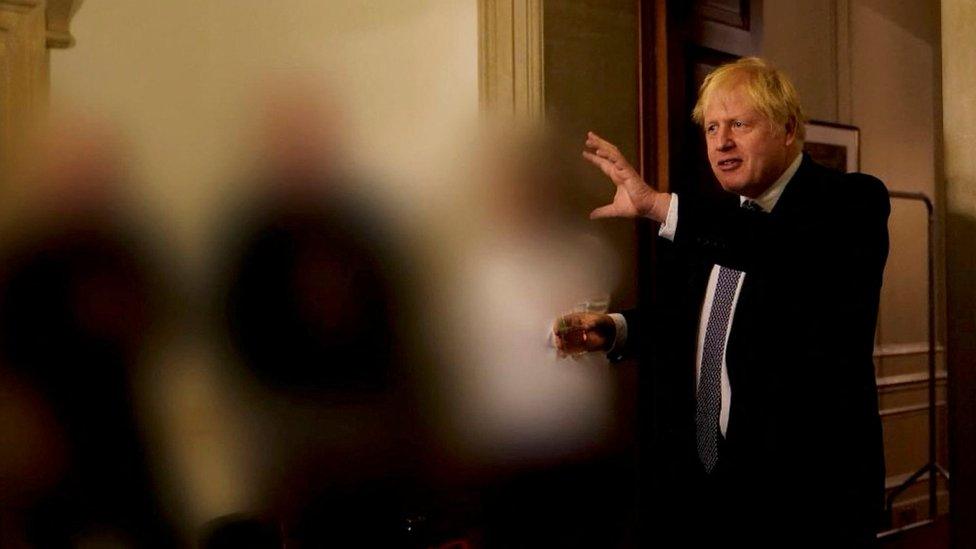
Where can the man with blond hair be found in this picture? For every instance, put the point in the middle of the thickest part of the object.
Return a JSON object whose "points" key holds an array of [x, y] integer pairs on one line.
{"points": [[765, 425]]}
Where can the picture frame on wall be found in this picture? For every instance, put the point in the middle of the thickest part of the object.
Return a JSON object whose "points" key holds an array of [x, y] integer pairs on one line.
{"points": [[836, 146]]}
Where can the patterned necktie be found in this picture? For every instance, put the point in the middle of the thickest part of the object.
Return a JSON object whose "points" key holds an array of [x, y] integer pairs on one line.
{"points": [[709, 397]]}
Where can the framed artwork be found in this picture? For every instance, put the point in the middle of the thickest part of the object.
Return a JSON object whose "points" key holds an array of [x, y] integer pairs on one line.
{"points": [[836, 146]]}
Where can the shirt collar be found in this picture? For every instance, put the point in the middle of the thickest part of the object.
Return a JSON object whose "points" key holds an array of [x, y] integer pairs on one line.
{"points": [[767, 200]]}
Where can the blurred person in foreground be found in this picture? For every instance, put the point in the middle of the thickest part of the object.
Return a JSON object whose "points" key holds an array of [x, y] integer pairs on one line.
{"points": [[766, 416], [315, 296], [79, 296], [524, 248], [539, 440]]}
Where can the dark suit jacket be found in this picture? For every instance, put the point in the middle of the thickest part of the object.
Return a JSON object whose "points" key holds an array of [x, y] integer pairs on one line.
{"points": [[803, 449]]}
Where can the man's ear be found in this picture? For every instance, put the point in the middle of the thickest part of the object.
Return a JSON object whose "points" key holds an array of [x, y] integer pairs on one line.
{"points": [[790, 128]]}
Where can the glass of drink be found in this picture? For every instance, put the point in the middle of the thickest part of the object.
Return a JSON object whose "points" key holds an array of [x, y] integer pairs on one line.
{"points": [[574, 334]]}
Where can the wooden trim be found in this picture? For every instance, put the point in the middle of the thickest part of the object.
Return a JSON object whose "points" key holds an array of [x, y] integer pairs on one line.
{"points": [[910, 409], [19, 4], [918, 505], [510, 58], [741, 39], [724, 15], [24, 83], [652, 93], [842, 53], [905, 349], [641, 86], [903, 380], [661, 94], [59, 14]]}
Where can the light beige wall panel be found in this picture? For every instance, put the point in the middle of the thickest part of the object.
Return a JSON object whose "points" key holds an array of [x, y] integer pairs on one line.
{"points": [[181, 78], [905, 295], [800, 38]]}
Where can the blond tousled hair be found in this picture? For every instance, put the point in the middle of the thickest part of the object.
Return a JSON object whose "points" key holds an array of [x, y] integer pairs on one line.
{"points": [[771, 92]]}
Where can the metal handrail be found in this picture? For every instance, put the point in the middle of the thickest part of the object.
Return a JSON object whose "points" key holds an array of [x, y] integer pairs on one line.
{"points": [[932, 467]]}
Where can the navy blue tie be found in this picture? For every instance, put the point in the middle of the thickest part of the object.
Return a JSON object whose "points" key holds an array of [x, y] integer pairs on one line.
{"points": [[709, 397]]}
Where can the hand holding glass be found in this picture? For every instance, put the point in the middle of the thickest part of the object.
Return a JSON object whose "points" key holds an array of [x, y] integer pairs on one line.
{"points": [[583, 332]]}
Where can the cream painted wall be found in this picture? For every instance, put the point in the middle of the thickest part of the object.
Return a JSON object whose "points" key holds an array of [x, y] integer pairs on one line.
{"points": [[180, 77], [800, 38]]}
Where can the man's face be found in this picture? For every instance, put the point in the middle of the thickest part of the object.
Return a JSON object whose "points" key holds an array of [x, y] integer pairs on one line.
{"points": [[747, 152]]}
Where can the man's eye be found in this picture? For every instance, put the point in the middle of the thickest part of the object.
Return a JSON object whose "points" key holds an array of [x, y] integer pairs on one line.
{"points": [[710, 129], [738, 124]]}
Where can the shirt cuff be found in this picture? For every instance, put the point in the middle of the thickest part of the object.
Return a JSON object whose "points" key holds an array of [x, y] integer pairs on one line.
{"points": [[670, 224], [620, 339]]}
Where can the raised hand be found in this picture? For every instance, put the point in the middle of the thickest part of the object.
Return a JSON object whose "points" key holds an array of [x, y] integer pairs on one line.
{"points": [[633, 197]]}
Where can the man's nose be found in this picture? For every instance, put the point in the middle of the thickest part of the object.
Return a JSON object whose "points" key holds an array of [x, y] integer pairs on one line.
{"points": [[723, 140]]}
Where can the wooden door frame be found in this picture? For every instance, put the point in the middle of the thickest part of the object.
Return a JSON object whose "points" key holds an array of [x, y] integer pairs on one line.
{"points": [[510, 58]]}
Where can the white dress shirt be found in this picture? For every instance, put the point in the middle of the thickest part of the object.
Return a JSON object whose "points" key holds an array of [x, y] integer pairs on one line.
{"points": [[767, 201]]}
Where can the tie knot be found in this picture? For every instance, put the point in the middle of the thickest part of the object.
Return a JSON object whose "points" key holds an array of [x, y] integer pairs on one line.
{"points": [[752, 205]]}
